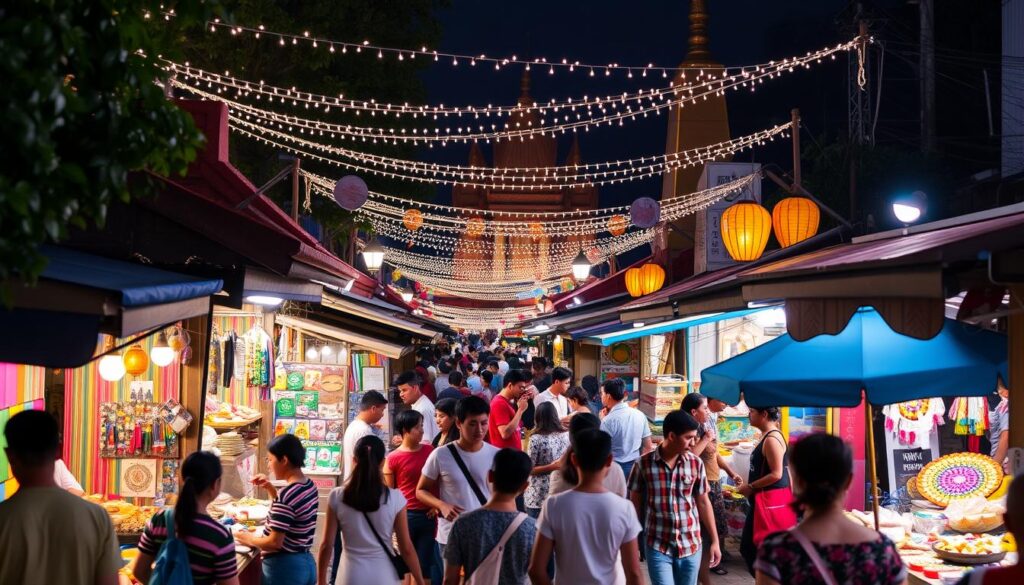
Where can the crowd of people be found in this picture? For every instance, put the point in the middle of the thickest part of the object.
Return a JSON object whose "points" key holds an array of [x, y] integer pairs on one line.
{"points": [[527, 478]]}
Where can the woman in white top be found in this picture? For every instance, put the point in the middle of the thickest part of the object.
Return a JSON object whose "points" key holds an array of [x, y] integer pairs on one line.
{"points": [[368, 513]]}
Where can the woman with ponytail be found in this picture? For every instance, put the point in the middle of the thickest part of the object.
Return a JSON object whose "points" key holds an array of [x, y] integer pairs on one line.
{"points": [[368, 513], [826, 547], [211, 551]]}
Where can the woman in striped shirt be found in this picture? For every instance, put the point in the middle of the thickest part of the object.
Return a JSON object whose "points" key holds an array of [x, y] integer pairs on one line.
{"points": [[288, 536], [211, 552]]}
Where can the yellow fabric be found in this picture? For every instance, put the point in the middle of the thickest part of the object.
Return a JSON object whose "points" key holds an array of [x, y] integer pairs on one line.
{"points": [[56, 538]]}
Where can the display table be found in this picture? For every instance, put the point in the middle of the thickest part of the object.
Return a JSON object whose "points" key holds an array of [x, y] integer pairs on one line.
{"points": [[250, 568]]}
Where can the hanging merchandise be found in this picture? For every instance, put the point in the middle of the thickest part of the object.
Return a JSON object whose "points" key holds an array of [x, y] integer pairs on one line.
{"points": [[911, 423], [970, 416], [214, 362], [259, 361], [137, 427]]}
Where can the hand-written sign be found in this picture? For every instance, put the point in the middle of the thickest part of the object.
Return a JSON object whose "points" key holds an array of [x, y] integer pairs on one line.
{"points": [[906, 462]]}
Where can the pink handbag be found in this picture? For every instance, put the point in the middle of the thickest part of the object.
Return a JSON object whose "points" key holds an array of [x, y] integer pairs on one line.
{"points": [[772, 513]]}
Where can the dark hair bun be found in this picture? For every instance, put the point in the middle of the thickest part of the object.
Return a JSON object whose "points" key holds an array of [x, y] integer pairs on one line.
{"points": [[823, 464]]}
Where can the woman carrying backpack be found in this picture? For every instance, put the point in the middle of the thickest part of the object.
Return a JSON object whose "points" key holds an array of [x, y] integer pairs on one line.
{"points": [[211, 550], [368, 513]]}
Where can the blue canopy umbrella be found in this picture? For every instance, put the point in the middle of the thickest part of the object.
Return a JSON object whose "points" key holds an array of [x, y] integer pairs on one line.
{"points": [[867, 358]]}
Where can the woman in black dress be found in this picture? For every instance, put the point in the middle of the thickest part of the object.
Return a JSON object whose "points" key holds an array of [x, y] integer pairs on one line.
{"points": [[769, 470]]}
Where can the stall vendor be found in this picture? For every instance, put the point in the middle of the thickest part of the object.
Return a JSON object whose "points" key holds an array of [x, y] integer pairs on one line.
{"points": [[1000, 426], [64, 480]]}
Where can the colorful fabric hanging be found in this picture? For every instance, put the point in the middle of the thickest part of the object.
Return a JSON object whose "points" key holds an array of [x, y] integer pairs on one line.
{"points": [[912, 422], [970, 415]]}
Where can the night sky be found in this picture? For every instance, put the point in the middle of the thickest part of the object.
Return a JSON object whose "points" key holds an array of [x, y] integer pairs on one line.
{"points": [[600, 31]]}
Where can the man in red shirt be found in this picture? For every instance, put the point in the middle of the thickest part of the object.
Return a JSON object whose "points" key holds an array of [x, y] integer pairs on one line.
{"points": [[507, 410]]}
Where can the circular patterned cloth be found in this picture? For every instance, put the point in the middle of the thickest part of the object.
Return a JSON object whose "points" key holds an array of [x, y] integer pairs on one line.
{"points": [[958, 476]]}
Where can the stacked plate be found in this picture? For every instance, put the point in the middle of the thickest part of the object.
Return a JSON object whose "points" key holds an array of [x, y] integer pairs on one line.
{"points": [[230, 444]]}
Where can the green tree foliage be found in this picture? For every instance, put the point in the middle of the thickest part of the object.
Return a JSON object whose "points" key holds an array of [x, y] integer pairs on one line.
{"points": [[81, 109], [395, 23]]}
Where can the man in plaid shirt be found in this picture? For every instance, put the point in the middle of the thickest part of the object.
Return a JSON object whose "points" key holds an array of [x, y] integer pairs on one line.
{"points": [[670, 483]]}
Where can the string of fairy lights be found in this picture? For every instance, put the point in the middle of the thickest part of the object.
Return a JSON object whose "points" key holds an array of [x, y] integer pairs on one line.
{"points": [[550, 66], [570, 114], [484, 254], [457, 220]]}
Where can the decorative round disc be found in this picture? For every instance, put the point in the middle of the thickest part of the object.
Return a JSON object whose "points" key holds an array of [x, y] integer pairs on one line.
{"points": [[958, 476]]}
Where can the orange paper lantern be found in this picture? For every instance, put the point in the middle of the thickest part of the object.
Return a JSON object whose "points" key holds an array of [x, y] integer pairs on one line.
{"points": [[475, 227], [412, 219], [633, 285], [536, 230], [795, 219], [745, 229], [617, 225], [136, 362], [652, 277]]}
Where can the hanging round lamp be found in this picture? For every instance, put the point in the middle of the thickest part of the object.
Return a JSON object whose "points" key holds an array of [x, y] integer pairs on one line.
{"points": [[136, 362], [617, 225], [161, 352], [111, 366], [412, 219], [633, 285], [795, 219], [475, 227], [652, 278], [745, 229]]}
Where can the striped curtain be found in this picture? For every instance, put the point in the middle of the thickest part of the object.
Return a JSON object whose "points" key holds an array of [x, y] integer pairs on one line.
{"points": [[21, 388]]}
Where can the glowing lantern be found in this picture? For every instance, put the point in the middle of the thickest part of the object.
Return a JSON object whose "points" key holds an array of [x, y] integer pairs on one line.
{"points": [[633, 285], [536, 230], [136, 362], [617, 225], [795, 219], [475, 227], [412, 219], [745, 229], [652, 277]]}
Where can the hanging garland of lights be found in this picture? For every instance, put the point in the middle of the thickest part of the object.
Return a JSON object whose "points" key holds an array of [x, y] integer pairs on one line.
{"points": [[611, 220], [477, 318], [676, 96], [572, 119], [399, 54], [468, 175]]}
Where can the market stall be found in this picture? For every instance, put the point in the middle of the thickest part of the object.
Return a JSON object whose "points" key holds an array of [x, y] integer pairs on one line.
{"points": [[949, 520]]}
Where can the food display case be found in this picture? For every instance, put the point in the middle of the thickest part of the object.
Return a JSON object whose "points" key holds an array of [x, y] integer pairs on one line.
{"points": [[661, 395]]}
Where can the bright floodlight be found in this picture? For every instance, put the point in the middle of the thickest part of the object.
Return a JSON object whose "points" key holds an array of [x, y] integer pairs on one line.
{"points": [[909, 208]]}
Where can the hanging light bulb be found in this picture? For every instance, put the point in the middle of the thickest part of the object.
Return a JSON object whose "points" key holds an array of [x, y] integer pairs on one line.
{"points": [[406, 295], [312, 353], [111, 366], [326, 351], [581, 267], [161, 353]]}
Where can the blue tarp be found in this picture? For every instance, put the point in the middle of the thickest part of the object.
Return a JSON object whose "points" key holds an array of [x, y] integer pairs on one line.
{"points": [[832, 370], [628, 332], [138, 285]]}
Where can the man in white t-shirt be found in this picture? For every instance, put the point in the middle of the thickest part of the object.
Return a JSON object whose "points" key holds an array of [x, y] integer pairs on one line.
{"points": [[409, 389], [372, 407], [443, 475], [561, 380], [591, 531]]}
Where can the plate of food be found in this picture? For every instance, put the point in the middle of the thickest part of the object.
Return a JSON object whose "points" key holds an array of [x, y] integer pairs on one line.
{"points": [[970, 549]]}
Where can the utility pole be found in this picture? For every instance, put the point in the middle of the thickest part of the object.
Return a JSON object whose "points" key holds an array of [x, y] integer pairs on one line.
{"points": [[295, 190], [927, 65], [858, 104]]}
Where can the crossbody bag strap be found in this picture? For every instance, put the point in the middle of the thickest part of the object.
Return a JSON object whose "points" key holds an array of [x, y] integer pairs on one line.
{"points": [[387, 548], [169, 524], [465, 471], [516, 523], [816, 560]]}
